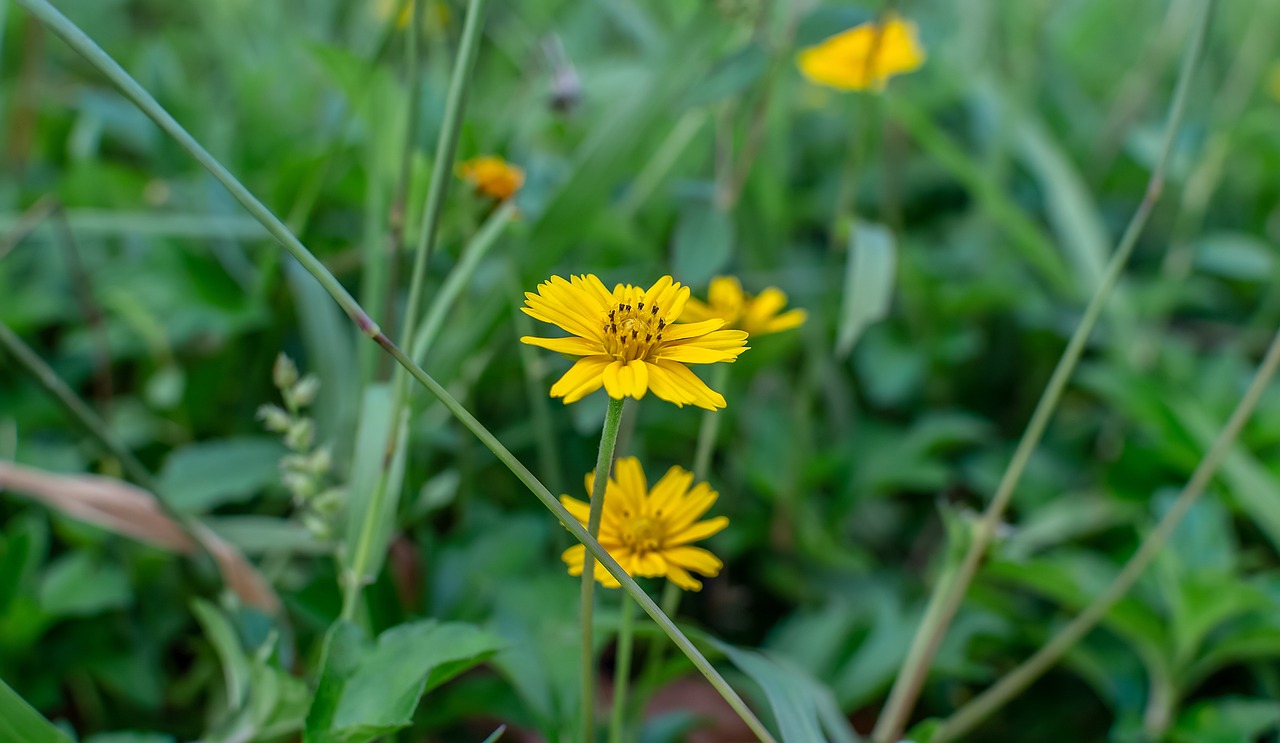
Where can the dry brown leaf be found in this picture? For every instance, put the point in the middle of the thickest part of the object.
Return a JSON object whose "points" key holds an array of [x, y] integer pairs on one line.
{"points": [[126, 509]]}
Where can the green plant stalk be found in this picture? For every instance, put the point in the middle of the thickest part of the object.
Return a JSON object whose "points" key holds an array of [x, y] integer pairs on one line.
{"points": [[1019, 678], [531, 365], [943, 604], [458, 278], [604, 465], [82, 44], [622, 670], [709, 429], [666, 156], [398, 216], [464, 63]]}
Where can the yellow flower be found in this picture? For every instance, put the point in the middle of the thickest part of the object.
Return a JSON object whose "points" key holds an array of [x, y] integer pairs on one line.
{"points": [[437, 13], [492, 176], [857, 60], [649, 531], [757, 315], [629, 340]]}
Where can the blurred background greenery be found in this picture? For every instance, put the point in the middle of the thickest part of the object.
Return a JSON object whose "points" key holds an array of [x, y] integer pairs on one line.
{"points": [[657, 137]]}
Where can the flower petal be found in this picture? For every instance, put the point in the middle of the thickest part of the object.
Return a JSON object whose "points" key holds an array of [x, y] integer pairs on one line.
{"points": [[695, 559], [691, 329], [698, 531], [582, 378], [680, 577], [613, 383], [682, 385], [689, 508], [576, 508], [572, 346]]}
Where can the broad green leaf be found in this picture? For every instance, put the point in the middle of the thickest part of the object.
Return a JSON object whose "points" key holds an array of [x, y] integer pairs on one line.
{"points": [[226, 643], [376, 418], [344, 646], [1206, 601], [703, 243], [870, 270], [82, 584], [19, 722], [202, 476], [1249, 643], [1234, 255], [407, 661]]}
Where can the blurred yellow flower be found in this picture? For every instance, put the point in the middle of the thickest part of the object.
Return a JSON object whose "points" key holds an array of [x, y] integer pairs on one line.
{"points": [[628, 340], [492, 176], [865, 56], [757, 315], [649, 531], [437, 14]]}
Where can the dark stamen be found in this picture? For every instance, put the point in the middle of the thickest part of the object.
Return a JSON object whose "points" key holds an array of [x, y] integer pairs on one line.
{"points": [[661, 323], [640, 305], [635, 334]]}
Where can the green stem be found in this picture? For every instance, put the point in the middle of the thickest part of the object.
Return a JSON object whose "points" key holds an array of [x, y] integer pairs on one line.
{"points": [[531, 363], [622, 670], [947, 598], [455, 104], [1019, 678], [604, 463], [94, 54], [709, 429], [472, 254]]}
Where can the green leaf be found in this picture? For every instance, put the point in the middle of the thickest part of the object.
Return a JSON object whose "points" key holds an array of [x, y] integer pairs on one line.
{"points": [[1226, 720], [802, 707], [408, 661], [703, 243], [344, 646], [376, 416], [226, 643], [1234, 255], [202, 476], [20, 722], [868, 282], [80, 584]]}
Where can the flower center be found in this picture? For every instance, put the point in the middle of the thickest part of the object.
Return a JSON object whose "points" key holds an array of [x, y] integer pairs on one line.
{"points": [[643, 534], [632, 331]]}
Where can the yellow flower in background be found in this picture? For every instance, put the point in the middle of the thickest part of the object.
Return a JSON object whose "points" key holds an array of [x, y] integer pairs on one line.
{"points": [[437, 14], [865, 56], [492, 176], [649, 532], [629, 340], [757, 315]]}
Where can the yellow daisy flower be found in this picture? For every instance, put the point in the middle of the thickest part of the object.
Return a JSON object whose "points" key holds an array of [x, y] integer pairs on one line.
{"points": [[649, 531], [757, 315], [629, 340], [857, 60], [492, 176]]}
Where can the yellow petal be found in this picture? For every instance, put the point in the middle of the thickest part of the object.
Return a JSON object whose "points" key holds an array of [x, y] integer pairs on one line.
{"points": [[698, 531], [583, 375], [691, 330], [612, 379], [695, 559], [573, 346], [785, 321], [697, 311], [684, 384], [576, 508], [678, 576], [686, 510]]}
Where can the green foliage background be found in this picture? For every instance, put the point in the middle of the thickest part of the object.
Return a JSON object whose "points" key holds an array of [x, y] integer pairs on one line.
{"points": [[1004, 171]]}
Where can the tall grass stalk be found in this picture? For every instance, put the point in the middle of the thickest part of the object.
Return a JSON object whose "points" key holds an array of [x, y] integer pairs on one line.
{"points": [[604, 465], [622, 670], [964, 720], [441, 171], [946, 598], [86, 47]]}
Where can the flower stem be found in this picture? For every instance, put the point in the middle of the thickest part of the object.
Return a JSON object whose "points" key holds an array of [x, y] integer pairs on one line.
{"points": [[94, 54], [1019, 678], [947, 596], [604, 463], [622, 670], [464, 63]]}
